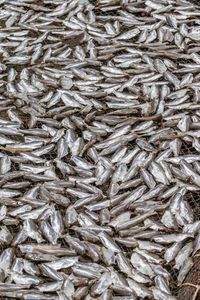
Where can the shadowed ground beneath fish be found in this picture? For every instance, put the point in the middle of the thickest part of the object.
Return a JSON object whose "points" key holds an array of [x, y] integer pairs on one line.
{"points": [[191, 287]]}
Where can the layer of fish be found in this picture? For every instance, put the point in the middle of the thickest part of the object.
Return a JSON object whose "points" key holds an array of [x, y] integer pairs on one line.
{"points": [[99, 102]]}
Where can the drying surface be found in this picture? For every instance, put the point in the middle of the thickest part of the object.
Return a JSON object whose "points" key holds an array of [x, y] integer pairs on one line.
{"points": [[99, 149]]}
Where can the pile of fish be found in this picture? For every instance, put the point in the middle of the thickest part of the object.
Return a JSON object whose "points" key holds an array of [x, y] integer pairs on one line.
{"points": [[97, 101]]}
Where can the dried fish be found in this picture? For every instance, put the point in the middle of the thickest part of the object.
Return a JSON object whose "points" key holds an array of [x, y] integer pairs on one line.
{"points": [[99, 148]]}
